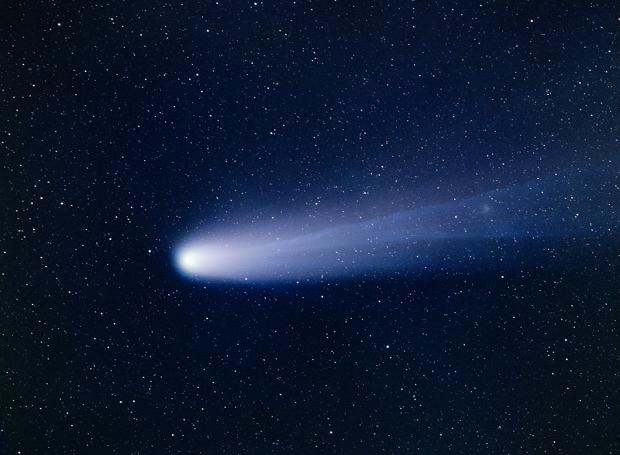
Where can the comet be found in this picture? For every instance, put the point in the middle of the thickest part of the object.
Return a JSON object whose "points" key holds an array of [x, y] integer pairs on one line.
{"points": [[456, 233]]}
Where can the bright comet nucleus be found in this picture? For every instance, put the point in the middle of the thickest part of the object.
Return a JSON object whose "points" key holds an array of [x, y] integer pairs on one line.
{"points": [[189, 260], [199, 260]]}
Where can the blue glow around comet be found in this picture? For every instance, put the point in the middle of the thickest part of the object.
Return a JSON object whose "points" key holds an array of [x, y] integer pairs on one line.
{"points": [[417, 238]]}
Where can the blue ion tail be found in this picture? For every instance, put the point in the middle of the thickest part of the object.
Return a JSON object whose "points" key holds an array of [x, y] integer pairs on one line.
{"points": [[420, 238]]}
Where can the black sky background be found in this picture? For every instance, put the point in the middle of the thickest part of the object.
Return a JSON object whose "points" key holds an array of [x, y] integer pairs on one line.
{"points": [[127, 125]]}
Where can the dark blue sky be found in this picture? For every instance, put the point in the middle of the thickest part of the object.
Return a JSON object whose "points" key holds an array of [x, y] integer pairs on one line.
{"points": [[127, 125]]}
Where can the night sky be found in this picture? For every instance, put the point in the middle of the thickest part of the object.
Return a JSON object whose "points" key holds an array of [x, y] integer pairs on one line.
{"points": [[128, 127]]}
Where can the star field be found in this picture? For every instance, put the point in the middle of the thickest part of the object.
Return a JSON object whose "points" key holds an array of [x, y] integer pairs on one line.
{"points": [[128, 127]]}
